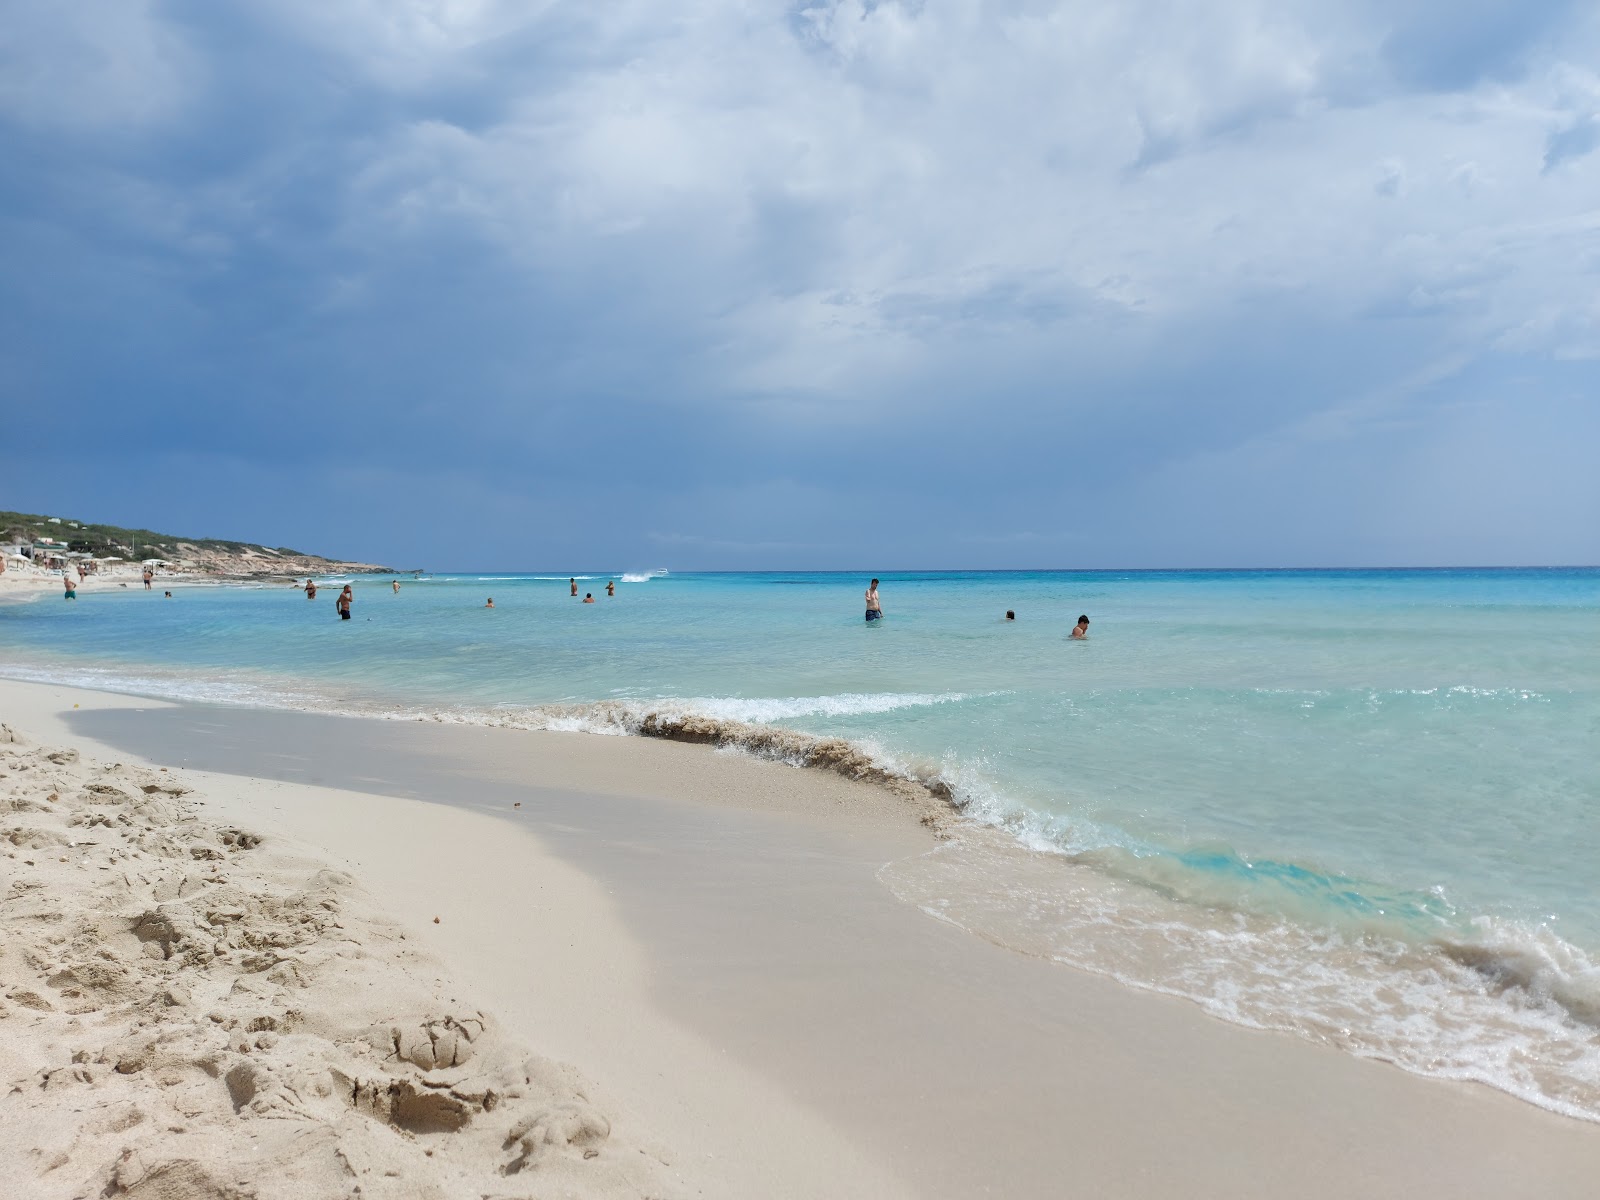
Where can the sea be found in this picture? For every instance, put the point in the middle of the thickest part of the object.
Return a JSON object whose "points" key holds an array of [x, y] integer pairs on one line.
{"points": [[1358, 806]]}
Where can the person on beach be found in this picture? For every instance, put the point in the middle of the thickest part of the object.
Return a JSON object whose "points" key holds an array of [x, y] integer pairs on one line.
{"points": [[611, 587], [588, 597], [489, 603], [574, 584], [346, 598], [874, 609], [1081, 629], [70, 586], [148, 576]]}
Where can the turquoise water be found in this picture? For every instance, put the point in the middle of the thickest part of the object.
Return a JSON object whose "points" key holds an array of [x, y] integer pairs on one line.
{"points": [[1389, 771]]}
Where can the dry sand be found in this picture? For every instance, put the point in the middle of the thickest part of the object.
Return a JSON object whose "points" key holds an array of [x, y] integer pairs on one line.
{"points": [[193, 1011], [704, 936]]}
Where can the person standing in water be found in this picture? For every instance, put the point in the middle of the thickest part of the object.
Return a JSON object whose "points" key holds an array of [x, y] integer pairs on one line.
{"points": [[489, 603], [346, 598], [396, 583], [874, 609], [588, 597], [1080, 631], [69, 585], [574, 583], [148, 576], [611, 587], [311, 589]]}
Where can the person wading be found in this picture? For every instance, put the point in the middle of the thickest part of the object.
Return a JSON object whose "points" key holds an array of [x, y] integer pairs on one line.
{"points": [[874, 609]]}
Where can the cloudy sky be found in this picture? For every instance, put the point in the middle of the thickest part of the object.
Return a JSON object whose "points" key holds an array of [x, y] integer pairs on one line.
{"points": [[467, 283]]}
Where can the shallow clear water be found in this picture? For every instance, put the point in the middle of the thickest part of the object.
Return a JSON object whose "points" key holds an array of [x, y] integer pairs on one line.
{"points": [[1292, 795]]}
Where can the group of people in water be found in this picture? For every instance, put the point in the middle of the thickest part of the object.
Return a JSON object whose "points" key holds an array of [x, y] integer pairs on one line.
{"points": [[347, 596], [1080, 631], [875, 613], [345, 599]]}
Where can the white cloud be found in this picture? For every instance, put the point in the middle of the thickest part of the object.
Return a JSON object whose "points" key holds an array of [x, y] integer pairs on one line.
{"points": [[92, 65], [841, 214]]}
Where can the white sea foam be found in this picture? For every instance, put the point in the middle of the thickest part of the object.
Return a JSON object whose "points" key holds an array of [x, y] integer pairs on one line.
{"points": [[767, 710], [642, 576], [1513, 1007], [218, 689]]}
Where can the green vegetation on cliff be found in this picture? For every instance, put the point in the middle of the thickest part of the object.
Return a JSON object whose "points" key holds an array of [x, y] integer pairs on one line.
{"points": [[114, 541]]}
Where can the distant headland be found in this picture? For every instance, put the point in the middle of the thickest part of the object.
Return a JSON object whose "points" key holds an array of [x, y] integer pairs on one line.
{"points": [[39, 537]]}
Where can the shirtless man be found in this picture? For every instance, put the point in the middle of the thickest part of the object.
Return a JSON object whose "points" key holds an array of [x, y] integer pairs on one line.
{"points": [[574, 584], [346, 598], [588, 597], [396, 584], [490, 603], [1081, 630], [148, 576], [874, 609]]}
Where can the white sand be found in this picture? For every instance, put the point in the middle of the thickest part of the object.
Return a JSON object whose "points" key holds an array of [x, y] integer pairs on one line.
{"points": [[257, 1025], [749, 1006], [191, 1011]]}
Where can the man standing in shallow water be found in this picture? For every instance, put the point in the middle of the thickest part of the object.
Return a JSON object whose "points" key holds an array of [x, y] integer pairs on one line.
{"points": [[874, 609], [1080, 631]]}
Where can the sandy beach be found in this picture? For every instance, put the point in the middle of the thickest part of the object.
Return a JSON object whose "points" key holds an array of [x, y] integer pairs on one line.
{"points": [[19, 584], [471, 961]]}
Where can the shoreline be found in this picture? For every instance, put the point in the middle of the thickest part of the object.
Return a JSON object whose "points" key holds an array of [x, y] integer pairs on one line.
{"points": [[1099, 921], [17, 584], [916, 1014]]}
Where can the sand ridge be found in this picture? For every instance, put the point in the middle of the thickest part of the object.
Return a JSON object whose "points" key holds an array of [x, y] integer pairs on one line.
{"points": [[190, 1011]]}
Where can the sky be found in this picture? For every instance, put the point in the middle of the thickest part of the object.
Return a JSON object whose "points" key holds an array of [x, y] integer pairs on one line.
{"points": [[713, 284]]}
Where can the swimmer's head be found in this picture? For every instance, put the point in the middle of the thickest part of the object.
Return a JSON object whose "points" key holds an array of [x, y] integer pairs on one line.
{"points": [[1083, 620], [1010, 616]]}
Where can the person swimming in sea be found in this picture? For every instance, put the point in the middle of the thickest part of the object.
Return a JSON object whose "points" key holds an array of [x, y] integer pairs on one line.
{"points": [[1011, 615], [489, 603], [396, 585], [70, 586], [346, 598], [311, 589], [611, 587], [588, 597], [1081, 629], [874, 608], [574, 584]]}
